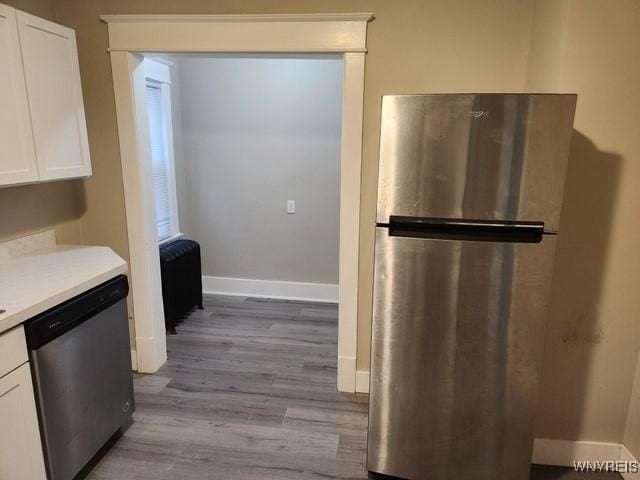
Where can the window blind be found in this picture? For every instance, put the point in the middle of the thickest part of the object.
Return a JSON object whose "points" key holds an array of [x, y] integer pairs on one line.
{"points": [[159, 160]]}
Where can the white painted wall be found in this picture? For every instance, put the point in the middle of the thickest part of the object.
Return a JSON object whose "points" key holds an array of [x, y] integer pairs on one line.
{"points": [[251, 133]]}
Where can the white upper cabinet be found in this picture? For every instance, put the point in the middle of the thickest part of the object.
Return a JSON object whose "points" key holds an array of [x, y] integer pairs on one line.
{"points": [[43, 132], [17, 154], [52, 75]]}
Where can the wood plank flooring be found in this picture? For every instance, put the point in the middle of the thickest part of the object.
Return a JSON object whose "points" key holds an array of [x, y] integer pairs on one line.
{"points": [[248, 392]]}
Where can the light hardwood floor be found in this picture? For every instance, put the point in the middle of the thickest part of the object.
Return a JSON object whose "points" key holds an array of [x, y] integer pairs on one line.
{"points": [[249, 393]]}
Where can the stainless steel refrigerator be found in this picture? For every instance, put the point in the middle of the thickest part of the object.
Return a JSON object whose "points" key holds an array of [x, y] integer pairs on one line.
{"points": [[469, 195]]}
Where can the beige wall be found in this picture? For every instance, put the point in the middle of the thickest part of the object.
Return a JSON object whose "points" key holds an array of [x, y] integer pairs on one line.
{"points": [[444, 45], [591, 47], [632, 429], [414, 46], [33, 208], [42, 8], [431, 47], [254, 132]]}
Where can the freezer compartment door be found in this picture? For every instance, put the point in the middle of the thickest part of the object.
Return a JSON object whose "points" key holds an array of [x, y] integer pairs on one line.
{"points": [[475, 156], [458, 334]]}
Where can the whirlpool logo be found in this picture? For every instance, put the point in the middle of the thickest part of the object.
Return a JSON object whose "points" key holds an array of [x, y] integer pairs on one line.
{"points": [[479, 113]]}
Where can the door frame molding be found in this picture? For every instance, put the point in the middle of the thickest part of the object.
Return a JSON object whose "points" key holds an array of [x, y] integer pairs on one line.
{"points": [[132, 35]]}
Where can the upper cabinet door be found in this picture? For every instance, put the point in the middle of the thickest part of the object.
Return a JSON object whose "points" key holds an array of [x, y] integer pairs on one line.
{"points": [[17, 154], [52, 76]]}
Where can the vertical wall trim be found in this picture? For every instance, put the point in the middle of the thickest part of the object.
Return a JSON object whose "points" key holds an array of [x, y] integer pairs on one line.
{"points": [[350, 176], [335, 33], [135, 155]]}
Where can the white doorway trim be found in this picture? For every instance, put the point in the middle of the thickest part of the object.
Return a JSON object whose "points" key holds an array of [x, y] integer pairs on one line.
{"points": [[131, 35]]}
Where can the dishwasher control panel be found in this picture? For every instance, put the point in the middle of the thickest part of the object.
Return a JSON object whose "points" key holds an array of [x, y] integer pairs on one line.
{"points": [[58, 320]]}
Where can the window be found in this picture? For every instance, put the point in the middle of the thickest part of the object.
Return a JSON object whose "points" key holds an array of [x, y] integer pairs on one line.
{"points": [[160, 136]]}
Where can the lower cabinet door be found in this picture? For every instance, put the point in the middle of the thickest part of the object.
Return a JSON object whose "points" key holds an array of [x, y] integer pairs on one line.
{"points": [[20, 448]]}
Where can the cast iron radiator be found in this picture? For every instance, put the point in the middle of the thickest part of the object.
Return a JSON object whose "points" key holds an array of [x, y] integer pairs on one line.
{"points": [[181, 280]]}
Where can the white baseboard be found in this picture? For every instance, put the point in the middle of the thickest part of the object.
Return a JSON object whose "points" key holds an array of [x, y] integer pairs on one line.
{"points": [[134, 361], [563, 453], [627, 456], [149, 358], [362, 381], [560, 453], [315, 292], [346, 374]]}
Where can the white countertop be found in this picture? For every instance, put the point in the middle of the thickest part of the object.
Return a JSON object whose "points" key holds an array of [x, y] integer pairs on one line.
{"points": [[36, 276]]}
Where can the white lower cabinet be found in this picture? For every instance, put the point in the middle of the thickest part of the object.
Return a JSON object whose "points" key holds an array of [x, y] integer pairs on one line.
{"points": [[20, 448]]}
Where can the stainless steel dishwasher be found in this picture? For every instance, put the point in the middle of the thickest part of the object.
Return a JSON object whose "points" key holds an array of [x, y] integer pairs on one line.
{"points": [[81, 366]]}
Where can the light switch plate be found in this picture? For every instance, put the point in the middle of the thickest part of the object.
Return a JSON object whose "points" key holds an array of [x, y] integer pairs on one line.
{"points": [[291, 206]]}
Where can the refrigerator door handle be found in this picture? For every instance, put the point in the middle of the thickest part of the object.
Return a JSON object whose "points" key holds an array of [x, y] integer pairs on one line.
{"points": [[463, 229]]}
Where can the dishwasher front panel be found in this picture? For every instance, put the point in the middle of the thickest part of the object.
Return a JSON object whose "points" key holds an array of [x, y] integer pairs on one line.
{"points": [[84, 388]]}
